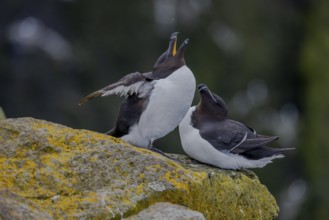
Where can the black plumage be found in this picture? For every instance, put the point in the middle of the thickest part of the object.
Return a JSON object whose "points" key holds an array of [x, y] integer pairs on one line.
{"points": [[211, 119]]}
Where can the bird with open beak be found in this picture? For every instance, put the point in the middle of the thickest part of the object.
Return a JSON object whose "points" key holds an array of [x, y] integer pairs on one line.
{"points": [[155, 102]]}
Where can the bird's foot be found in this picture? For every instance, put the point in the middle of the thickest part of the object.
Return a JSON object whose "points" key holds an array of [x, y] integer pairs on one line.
{"points": [[154, 149]]}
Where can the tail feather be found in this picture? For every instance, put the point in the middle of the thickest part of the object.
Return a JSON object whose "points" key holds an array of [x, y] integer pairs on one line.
{"points": [[264, 151], [95, 94], [110, 132], [286, 150], [258, 141]]}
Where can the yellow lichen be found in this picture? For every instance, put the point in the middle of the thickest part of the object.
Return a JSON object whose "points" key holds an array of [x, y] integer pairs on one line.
{"points": [[140, 189]]}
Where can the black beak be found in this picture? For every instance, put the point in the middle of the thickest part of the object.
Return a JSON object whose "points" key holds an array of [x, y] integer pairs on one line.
{"points": [[204, 91], [182, 48], [202, 87]]}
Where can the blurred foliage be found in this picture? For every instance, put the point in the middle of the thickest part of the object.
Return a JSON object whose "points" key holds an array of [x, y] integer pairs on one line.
{"points": [[267, 59], [315, 147]]}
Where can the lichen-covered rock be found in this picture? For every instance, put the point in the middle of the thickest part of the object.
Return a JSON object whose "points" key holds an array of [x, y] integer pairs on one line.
{"points": [[83, 174], [15, 207], [167, 211]]}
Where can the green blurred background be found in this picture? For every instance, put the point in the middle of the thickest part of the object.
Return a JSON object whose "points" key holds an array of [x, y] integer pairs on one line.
{"points": [[268, 59]]}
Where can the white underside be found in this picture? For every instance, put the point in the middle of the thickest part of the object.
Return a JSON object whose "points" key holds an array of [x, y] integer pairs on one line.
{"points": [[199, 149], [169, 101]]}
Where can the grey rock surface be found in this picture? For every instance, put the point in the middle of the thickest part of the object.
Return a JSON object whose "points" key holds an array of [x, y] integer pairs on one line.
{"points": [[167, 211]]}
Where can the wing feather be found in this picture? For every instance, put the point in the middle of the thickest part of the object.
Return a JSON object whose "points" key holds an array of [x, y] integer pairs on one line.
{"points": [[133, 83], [233, 137]]}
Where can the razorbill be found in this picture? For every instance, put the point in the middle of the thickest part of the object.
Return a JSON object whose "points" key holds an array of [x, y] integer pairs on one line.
{"points": [[155, 102], [209, 136]]}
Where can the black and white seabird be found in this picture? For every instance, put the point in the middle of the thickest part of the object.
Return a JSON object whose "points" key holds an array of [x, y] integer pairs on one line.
{"points": [[156, 101], [209, 136]]}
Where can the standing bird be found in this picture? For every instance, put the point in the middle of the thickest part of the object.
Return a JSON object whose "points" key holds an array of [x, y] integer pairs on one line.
{"points": [[209, 136], [156, 101]]}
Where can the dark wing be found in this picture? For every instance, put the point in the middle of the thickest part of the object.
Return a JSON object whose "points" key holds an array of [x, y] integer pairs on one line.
{"points": [[151, 76], [160, 74], [232, 136], [129, 114], [258, 140], [133, 83]]}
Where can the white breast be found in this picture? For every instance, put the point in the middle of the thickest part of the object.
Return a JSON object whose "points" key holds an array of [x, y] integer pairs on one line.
{"points": [[134, 137], [200, 149], [170, 99]]}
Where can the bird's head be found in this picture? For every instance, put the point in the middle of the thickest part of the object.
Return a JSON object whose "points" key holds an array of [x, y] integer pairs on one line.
{"points": [[172, 58], [211, 103]]}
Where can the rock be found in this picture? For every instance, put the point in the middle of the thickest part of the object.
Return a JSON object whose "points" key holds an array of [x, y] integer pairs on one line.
{"points": [[15, 207], [72, 173], [167, 211]]}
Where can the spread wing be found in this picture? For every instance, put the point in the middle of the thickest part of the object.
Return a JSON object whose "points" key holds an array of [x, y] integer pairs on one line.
{"points": [[234, 137], [133, 83]]}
